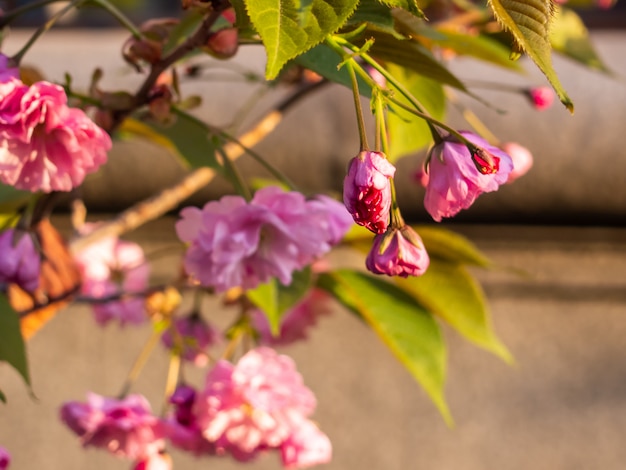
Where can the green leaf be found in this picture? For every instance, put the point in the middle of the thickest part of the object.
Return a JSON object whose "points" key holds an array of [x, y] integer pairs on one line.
{"points": [[185, 28], [529, 22], [408, 133], [12, 348], [569, 37], [3, 397], [449, 291], [401, 322], [450, 246], [408, 5], [374, 14], [275, 299], [290, 27], [185, 137]]}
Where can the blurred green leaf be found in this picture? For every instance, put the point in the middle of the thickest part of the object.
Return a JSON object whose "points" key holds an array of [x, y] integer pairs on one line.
{"points": [[12, 347], [449, 291], [529, 23], [288, 29], [401, 322], [3, 397], [450, 246], [569, 37], [408, 133], [275, 299], [185, 28], [408, 5], [375, 15]]}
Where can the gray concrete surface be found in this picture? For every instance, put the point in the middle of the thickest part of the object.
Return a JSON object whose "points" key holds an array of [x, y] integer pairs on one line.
{"points": [[580, 161], [562, 406]]}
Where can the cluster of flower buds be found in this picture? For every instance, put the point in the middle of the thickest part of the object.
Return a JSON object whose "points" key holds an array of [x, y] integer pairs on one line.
{"points": [[244, 410]]}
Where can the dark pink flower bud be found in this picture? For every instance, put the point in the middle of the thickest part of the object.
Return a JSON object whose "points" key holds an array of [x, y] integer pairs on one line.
{"points": [[541, 97], [455, 180], [224, 43], [522, 159], [398, 252], [367, 190], [193, 337], [5, 458], [20, 261]]}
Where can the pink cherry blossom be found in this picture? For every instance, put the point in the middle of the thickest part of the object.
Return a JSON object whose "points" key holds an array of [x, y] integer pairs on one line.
{"points": [[20, 261], [126, 428], [398, 252], [109, 267], [454, 179], [296, 323], [5, 458], [541, 97], [194, 335], [234, 243], [160, 461], [522, 159], [367, 190], [306, 447], [44, 144]]}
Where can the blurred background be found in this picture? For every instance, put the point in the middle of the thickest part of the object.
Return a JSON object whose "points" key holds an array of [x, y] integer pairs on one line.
{"points": [[561, 406]]}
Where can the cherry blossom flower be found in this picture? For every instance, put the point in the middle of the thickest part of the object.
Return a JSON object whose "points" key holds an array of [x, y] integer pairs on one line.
{"points": [[234, 243], [126, 428], [109, 267], [20, 261], [306, 447], [5, 458], [44, 144], [367, 190], [454, 179], [296, 323], [541, 97], [160, 461], [522, 159], [195, 336], [398, 252]]}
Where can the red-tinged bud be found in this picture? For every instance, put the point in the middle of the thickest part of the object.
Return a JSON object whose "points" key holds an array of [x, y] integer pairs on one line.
{"points": [[224, 43], [367, 190], [136, 51], [540, 97], [398, 252], [486, 163], [160, 102]]}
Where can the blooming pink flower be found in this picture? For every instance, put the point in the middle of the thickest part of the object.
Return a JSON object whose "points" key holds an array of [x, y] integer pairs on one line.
{"points": [[236, 243], [109, 267], [306, 447], [522, 159], [367, 190], [126, 428], [454, 180], [296, 322], [5, 458], [398, 252], [541, 97], [19, 260], [258, 404], [160, 461], [44, 144], [194, 334]]}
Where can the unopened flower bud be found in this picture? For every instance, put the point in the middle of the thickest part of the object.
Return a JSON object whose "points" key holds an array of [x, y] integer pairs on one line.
{"points": [[367, 190], [20, 261], [522, 159], [224, 43], [160, 102], [5, 458], [136, 51], [398, 252], [486, 163], [541, 97]]}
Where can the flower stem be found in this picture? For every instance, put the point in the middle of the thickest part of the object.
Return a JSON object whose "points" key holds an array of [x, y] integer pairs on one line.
{"points": [[173, 372], [140, 362], [9, 16], [119, 16]]}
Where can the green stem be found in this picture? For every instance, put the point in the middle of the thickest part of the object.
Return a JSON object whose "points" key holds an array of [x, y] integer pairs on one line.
{"points": [[16, 59], [140, 362], [119, 16], [11, 15]]}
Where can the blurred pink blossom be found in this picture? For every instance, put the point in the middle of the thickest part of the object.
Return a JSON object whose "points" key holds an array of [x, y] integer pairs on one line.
{"points": [[126, 428], [522, 159], [307, 446], [44, 144], [541, 97], [19, 259], [234, 243], [454, 180], [296, 323], [160, 461], [5, 458], [398, 252], [110, 267], [195, 335], [367, 190]]}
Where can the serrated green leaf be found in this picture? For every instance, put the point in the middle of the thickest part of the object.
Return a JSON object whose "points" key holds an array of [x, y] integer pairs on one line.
{"points": [[449, 291], [187, 139], [401, 322], [408, 133], [569, 37], [275, 299], [446, 245], [529, 23], [12, 347], [408, 5], [287, 30], [375, 14]]}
